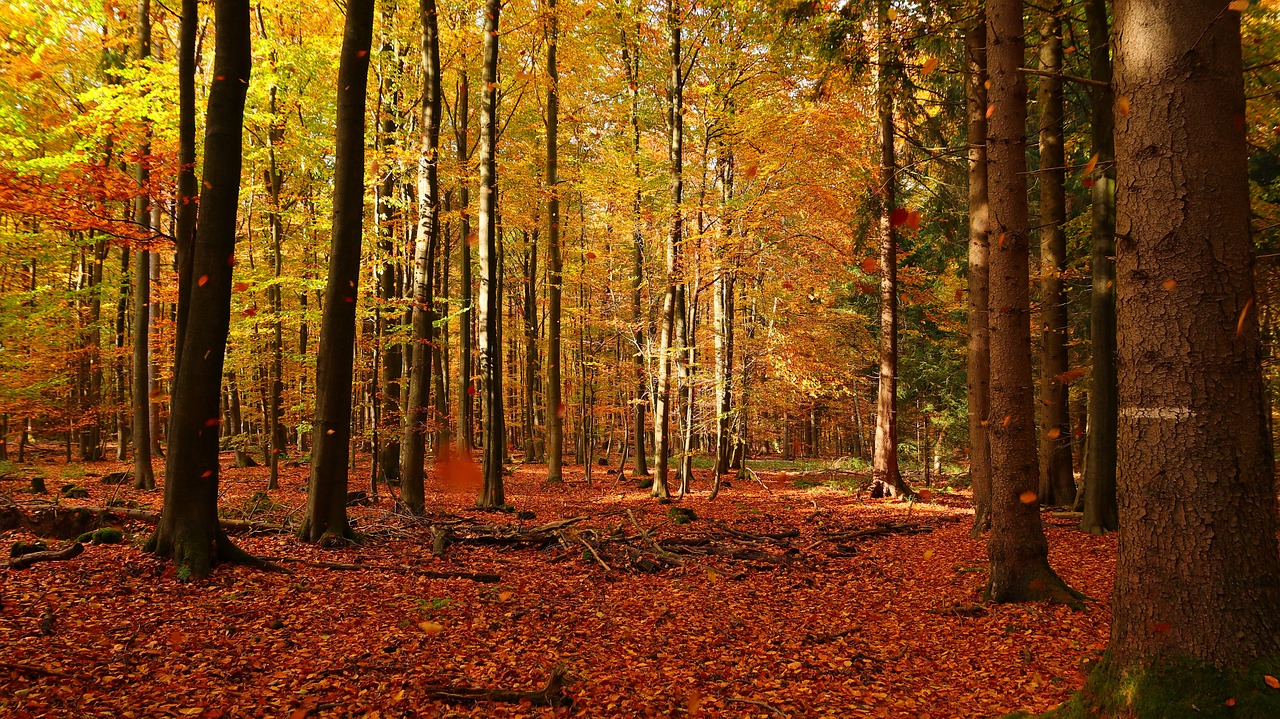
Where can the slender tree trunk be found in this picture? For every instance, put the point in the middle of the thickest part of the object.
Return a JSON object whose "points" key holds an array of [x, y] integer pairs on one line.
{"points": [[1057, 481], [490, 319], [466, 389], [555, 268], [188, 531], [979, 362], [154, 390], [275, 380], [1100, 511], [722, 318], [392, 353], [1017, 546], [143, 476], [887, 477], [675, 137], [123, 403], [1197, 573], [326, 518], [631, 58], [188, 191]]}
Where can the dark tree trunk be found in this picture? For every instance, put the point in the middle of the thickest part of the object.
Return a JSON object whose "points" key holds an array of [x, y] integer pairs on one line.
{"points": [[555, 269], [188, 531], [188, 191], [388, 222], [887, 476], [1100, 512], [466, 389], [143, 476], [1197, 573], [631, 58], [416, 415], [979, 362], [326, 518], [490, 319], [1017, 546], [675, 138], [1057, 481], [275, 378]]}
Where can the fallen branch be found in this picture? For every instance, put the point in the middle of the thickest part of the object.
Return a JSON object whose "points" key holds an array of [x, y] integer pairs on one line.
{"points": [[899, 528], [551, 695], [662, 553], [585, 543], [27, 560], [482, 577], [18, 667], [762, 705]]}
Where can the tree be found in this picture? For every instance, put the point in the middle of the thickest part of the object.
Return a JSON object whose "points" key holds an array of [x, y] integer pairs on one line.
{"points": [[490, 300], [466, 388], [1100, 512], [555, 268], [885, 471], [143, 476], [188, 531], [631, 59], [326, 518], [416, 416], [1017, 547], [1057, 481], [979, 361]]}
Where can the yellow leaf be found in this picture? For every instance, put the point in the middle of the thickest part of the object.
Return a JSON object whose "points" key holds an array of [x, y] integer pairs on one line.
{"points": [[712, 575], [191, 711], [431, 627], [928, 554], [893, 14], [1238, 5], [1122, 105], [930, 64], [504, 596]]}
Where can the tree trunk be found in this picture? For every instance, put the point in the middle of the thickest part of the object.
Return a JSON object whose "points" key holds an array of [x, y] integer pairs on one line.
{"points": [[1017, 546], [490, 319], [188, 531], [555, 268], [675, 138], [392, 353], [722, 319], [466, 389], [979, 361], [1057, 481], [887, 477], [326, 518], [275, 379], [1100, 512], [416, 416], [143, 476], [631, 58], [1198, 575], [188, 190]]}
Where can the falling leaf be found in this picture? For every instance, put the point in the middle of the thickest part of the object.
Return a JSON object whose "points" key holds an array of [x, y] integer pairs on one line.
{"points": [[913, 220], [1122, 105], [1000, 242], [431, 628], [1243, 314], [928, 554], [1007, 419], [1238, 5], [1230, 702], [1054, 432], [1161, 627], [250, 312], [930, 64], [869, 265], [991, 110], [1028, 497], [203, 279], [1069, 376], [561, 409], [211, 422], [1169, 284], [898, 216], [1271, 681], [361, 53], [893, 14], [1090, 165]]}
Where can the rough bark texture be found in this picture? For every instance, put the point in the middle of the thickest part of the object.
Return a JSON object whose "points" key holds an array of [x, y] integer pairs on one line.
{"points": [[326, 517], [979, 361], [188, 531], [1057, 481], [416, 416], [188, 191], [391, 370], [1017, 546], [555, 274], [885, 471], [675, 159], [490, 271], [631, 58], [1198, 574], [143, 477], [1100, 513], [466, 390]]}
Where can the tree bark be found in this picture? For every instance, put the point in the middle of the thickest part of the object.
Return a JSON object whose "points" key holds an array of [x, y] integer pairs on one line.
{"points": [[392, 353], [326, 517], [1057, 481], [188, 190], [1198, 574], [631, 58], [188, 531], [1100, 511], [143, 476], [675, 140], [979, 360], [887, 476], [275, 379], [466, 389], [555, 268], [490, 301], [416, 416], [1017, 546]]}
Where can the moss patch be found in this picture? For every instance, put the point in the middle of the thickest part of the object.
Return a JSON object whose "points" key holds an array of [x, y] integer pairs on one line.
{"points": [[105, 535], [1184, 689]]}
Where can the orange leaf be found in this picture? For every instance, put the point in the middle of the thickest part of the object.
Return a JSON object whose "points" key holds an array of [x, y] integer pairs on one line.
{"points": [[1169, 284], [1027, 497], [930, 64], [1054, 433], [1243, 314], [991, 110], [1122, 105], [1230, 702], [1271, 681], [203, 279], [1069, 376], [869, 265], [1088, 166], [1238, 5]]}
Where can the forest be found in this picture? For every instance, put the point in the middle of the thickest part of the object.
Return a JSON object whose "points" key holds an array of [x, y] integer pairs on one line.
{"points": [[603, 358]]}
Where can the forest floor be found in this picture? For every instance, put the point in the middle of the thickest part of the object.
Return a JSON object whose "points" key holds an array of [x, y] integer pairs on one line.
{"points": [[877, 626]]}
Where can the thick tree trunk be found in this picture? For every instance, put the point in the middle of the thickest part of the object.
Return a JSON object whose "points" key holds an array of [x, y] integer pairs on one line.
{"points": [[555, 268], [1017, 546], [631, 58], [143, 476], [416, 417], [887, 477], [188, 531], [1100, 512], [675, 139], [466, 389], [326, 518], [1198, 574], [490, 302], [979, 361], [1057, 481]]}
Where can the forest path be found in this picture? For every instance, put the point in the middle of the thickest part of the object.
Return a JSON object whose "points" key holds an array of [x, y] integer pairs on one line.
{"points": [[823, 635]]}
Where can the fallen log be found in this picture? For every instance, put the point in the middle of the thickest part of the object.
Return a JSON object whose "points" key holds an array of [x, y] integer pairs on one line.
{"points": [[68, 522], [54, 555], [901, 528], [551, 695]]}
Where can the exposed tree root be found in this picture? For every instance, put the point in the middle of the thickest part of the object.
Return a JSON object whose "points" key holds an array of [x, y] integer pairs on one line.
{"points": [[551, 695], [27, 560]]}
